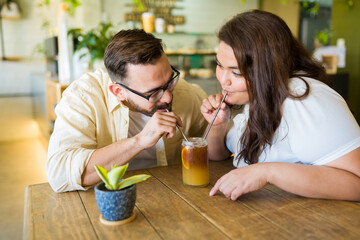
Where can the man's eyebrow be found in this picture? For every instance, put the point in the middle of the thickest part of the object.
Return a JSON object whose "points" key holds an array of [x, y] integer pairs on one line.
{"points": [[153, 90], [232, 67], [158, 88]]}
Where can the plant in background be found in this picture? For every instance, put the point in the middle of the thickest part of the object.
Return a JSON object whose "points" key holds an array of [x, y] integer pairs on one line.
{"points": [[323, 37], [47, 24], [348, 3], [138, 5], [70, 4], [95, 40], [113, 178], [311, 7]]}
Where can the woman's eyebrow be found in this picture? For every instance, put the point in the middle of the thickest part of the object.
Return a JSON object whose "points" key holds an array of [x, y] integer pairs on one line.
{"points": [[231, 67]]}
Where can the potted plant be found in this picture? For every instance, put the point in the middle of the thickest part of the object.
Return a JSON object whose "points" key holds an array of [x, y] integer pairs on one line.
{"points": [[93, 41], [322, 38], [115, 197]]}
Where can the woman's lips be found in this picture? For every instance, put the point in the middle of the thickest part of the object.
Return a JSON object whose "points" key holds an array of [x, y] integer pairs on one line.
{"points": [[226, 91], [227, 97]]}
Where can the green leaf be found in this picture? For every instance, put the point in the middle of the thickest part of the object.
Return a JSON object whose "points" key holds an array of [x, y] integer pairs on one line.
{"points": [[132, 180], [103, 174], [115, 174]]}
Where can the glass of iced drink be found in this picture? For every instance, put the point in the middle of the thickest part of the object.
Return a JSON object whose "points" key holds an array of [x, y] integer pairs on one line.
{"points": [[195, 162]]}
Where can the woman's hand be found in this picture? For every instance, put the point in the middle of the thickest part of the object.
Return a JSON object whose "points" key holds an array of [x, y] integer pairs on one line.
{"points": [[209, 107], [242, 180]]}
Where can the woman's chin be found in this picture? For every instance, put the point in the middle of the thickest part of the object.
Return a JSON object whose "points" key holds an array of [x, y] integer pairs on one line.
{"points": [[231, 100]]}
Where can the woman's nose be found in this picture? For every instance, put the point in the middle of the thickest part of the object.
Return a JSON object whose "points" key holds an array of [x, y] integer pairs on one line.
{"points": [[224, 79]]}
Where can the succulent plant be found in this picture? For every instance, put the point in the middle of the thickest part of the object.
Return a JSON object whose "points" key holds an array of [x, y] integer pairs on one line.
{"points": [[113, 178]]}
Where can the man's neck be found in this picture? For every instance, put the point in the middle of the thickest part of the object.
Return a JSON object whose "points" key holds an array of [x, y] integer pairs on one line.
{"points": [[128, 106]]}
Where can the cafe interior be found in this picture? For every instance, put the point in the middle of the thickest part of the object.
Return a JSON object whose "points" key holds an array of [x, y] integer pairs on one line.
{"points": [[30, 86]]}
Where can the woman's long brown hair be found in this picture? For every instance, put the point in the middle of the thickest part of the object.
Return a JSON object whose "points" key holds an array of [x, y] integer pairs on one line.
{"points": [[268, 56]]}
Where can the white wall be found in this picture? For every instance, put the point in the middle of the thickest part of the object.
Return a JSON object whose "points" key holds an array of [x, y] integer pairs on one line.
{"points": [[22, 35], [15, 76], [207, 16]]}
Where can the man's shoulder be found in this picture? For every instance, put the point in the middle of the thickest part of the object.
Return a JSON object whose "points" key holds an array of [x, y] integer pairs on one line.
{"points": [[185, 88], [90, 83]]}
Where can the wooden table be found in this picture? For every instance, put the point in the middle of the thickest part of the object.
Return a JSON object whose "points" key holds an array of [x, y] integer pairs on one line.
{"points": [[166, 209]]}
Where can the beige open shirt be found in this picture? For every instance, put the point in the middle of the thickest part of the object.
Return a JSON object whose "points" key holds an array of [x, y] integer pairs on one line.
{"points": [[90, 117]]}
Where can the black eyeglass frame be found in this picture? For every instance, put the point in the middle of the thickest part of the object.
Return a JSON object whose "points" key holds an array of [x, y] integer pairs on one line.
{"points": [[163, 89]]}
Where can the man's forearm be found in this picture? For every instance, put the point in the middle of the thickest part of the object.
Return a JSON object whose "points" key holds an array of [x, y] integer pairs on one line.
{"points": [[118, 153]]}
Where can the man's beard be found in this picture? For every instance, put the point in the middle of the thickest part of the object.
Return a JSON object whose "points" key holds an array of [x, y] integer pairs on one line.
{"points": [[152, 111]]}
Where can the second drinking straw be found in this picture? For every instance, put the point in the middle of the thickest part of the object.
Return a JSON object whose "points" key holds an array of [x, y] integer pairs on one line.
{"points": [[217, 111]]}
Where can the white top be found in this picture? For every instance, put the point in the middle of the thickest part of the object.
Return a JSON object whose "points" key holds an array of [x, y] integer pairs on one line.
{"points": [[144, 159], [315, 130]]}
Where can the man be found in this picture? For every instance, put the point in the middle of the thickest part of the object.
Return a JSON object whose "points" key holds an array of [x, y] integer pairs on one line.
{"points": [[120, 115]]}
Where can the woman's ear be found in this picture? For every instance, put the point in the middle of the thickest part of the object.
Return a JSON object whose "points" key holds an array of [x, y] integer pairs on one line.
{"points": [[118, 91]]}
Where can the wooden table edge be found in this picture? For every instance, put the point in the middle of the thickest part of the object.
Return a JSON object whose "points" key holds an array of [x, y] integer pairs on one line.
{"points": [[28, 227]]}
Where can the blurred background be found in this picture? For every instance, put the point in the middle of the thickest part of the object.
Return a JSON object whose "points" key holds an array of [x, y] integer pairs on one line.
{"points": [[36, 34]]}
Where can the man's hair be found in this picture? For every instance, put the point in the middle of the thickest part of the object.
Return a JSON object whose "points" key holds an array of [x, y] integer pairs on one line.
{"points": [[268, 55], [131, 46]]}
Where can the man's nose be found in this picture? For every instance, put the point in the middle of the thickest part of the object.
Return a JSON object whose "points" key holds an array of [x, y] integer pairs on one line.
{"points": [[166, 97]]}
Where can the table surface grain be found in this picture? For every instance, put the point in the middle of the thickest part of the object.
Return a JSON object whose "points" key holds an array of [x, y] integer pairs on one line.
{"points": [[166, 209]]}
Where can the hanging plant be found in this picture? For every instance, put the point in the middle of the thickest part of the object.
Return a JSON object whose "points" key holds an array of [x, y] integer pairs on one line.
{"points": [[348, 3], [313, 6], [71, 5], [95, 40], [323, 36]]}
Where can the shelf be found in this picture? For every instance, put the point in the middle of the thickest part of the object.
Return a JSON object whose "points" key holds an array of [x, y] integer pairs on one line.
{"points": [[197, 53]]}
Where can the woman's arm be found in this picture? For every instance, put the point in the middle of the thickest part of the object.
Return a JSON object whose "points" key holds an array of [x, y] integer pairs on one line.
{"points": [[216, 138], [216, 143], [340, 179]]}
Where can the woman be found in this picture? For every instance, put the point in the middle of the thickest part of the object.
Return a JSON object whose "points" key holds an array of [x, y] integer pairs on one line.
{"points": [[291, 130]]}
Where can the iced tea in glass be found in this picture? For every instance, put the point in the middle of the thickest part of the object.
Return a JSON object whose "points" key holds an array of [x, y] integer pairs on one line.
{"points": [[195, 162]]}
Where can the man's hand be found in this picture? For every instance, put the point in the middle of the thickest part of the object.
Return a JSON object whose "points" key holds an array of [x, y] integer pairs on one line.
{"points": [[159, 124]]}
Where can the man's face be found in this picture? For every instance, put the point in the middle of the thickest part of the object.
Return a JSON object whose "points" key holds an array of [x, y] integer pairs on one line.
{"points": [[149, 112], [145, 79]]}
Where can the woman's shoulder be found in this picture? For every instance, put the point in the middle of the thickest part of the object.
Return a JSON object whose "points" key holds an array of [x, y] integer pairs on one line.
{"points": [[321, 102], [298, 86], [323, 108], [319, 94], [322, 118]]}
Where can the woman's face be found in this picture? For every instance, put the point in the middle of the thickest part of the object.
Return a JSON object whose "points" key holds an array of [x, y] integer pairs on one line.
{"points": [[230, 77]]}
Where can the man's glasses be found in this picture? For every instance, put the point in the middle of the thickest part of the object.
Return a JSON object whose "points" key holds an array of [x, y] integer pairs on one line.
{"points": [[159, 92]]}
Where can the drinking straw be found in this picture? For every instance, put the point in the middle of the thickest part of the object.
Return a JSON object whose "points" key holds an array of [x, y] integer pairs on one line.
{"points": [[179, 129], [217, 111]]}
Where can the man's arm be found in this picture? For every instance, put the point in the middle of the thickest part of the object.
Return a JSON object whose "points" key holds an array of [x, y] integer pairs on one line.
{"points": [[73, 151], [123, 151], [117, 153]]}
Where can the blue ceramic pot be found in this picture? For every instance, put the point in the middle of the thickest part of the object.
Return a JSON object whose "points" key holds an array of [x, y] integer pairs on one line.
{"points": [[115, 205]]}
